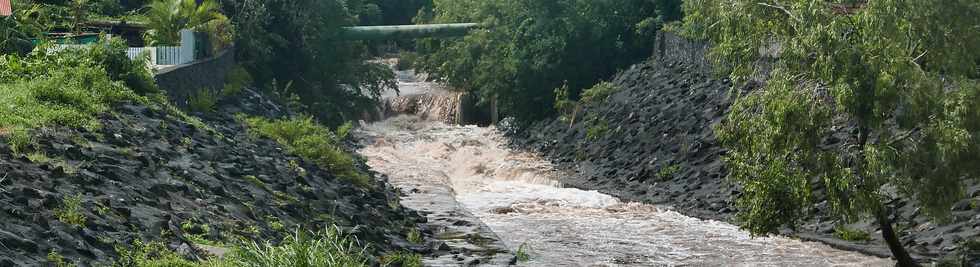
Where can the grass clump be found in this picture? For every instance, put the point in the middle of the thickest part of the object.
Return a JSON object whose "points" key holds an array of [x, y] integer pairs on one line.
{"points": [[203, 101], [57, 260], [669, 171], [523, 252], [414, 236], [152, 254], [403, 259], [849, 234], [325, 248], [316, 143], [70, 211]]}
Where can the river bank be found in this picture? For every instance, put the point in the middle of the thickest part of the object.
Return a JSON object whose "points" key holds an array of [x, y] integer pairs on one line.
{"points": [[656, 144]]}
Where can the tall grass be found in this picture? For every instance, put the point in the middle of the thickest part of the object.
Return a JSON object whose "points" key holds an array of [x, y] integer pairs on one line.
{"points": [[328, 247]]}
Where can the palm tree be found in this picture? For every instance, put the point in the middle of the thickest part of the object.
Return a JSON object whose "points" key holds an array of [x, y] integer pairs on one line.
{"points": [[166, 18]]}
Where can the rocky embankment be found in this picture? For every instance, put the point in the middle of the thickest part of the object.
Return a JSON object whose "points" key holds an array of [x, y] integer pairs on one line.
{"points": [[653, 142], [148, 175]]}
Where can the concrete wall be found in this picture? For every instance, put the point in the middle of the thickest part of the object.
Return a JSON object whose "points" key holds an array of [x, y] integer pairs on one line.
{"points": [[180, 82], [670, 47]]}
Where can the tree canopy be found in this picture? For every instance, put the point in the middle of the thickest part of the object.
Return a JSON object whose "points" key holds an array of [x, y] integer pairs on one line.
{"points": [[529, 48], [893, 80], [290, 48]]}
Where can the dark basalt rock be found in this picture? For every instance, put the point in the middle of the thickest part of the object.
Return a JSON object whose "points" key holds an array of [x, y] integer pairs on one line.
{"points": [[664, 117], [144, 173]]}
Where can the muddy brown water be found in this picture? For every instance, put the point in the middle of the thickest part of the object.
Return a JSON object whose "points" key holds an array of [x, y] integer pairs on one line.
{"points": [[519, 197]]}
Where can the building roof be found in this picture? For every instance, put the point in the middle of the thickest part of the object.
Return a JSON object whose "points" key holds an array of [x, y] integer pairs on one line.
{"points": [[5, 8]]}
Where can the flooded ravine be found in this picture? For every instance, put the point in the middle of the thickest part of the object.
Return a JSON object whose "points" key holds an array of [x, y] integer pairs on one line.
{"points": [[517, 196], [472, 186]]}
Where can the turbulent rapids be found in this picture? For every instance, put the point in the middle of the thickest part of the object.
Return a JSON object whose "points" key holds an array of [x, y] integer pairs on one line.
{"points": [[518, 196], [470, 184]]}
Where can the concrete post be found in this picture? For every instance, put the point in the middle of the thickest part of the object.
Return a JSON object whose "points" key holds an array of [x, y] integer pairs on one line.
{"points": [[186, 46]]}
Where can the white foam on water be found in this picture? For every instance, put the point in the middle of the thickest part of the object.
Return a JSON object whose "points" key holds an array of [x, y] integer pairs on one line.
{"points": [[517, 195]]}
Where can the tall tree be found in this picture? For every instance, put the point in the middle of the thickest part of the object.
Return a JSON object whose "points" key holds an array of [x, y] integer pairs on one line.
{"points": [[893, 79], [291, 47], [531, 47], [166, 18]]}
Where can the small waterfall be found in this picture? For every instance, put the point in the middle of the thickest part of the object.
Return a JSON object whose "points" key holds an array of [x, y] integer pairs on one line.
{"points": [[443, 106], [431, 101]]}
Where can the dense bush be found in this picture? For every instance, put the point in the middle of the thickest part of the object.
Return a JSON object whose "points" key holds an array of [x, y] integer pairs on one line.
{"points": [[529, 48], [292, 42]]}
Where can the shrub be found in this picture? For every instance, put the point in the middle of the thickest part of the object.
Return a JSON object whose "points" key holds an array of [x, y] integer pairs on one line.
{"points": [[597, 130], [236, 80], [316, 143], [70, 211], [668, 172], [599, 92], [202, 101]]}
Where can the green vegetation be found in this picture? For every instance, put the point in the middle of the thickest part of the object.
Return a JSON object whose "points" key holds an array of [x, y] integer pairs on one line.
{"points": [[14, 36], [537, 46], [523, 252], [292, 42], [668, 172], [70, 211], [306, 138], [197, 233], [203, 101], [152, 254], [598, 93], [70, 88], [597, 129], [403, 259], [325, 248], [237, 79], [902, 72], [414, 236], [849, 234], [57, 260], [166, 18], [255, 181]]}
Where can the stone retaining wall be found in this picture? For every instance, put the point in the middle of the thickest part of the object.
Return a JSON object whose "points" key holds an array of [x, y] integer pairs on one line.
{"points": [[181, 82]]}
